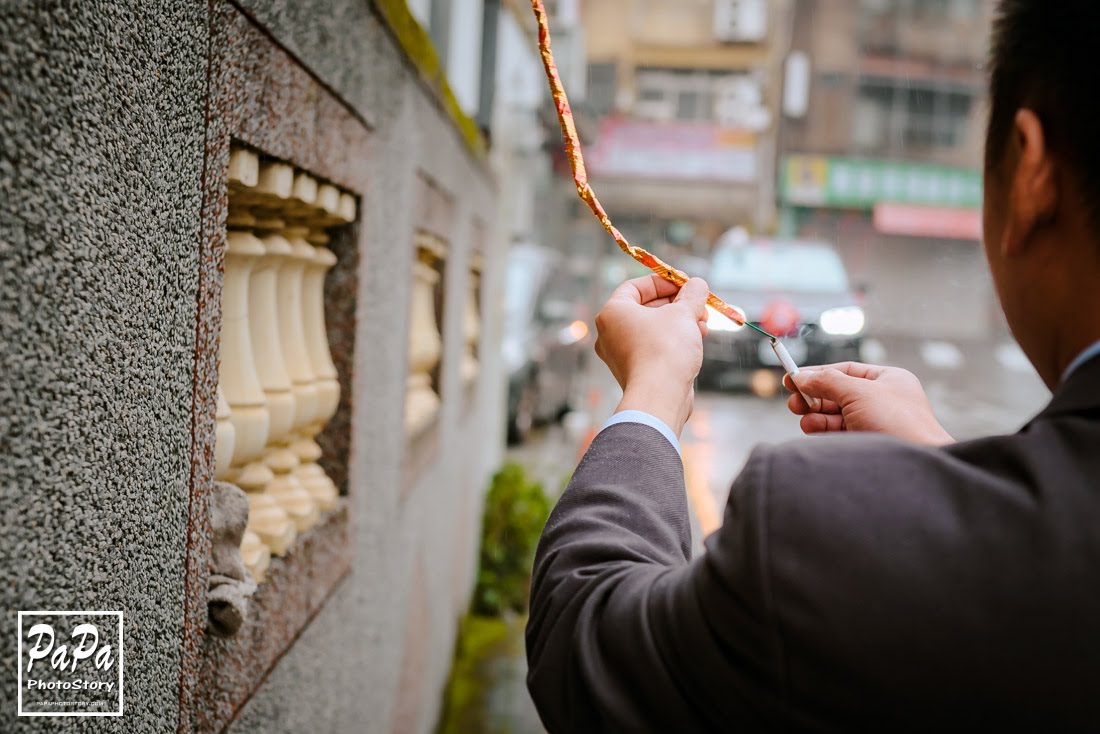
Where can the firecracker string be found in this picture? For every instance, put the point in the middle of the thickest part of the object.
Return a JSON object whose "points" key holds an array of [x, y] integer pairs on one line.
{"points": [[584, 188]]}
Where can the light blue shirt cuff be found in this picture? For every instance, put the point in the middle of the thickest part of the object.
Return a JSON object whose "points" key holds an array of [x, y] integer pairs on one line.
{"points": [[638, 416], [1082, 358]]}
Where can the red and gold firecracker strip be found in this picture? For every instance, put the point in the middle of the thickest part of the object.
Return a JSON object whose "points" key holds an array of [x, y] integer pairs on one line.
{"points": [[580, 175]]}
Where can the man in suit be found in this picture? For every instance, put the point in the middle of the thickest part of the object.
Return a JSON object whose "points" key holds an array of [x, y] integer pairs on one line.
{"points": [[881, 578]]}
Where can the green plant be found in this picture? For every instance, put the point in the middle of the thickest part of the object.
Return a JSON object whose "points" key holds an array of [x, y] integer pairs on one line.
{"points": [[516, 510]]}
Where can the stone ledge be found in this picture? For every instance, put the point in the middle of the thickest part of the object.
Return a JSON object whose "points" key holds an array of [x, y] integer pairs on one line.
{"points": [[418, 48], [297, 586]]}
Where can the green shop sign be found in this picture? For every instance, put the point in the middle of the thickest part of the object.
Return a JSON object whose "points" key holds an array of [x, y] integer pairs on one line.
{"points": [[856, 183]]}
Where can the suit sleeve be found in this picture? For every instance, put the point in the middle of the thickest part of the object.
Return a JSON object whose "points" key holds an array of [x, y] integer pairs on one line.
{"points": [[628, 634]]}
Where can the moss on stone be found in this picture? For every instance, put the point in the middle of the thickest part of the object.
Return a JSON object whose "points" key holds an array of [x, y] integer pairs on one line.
{"points": [[418, 47]]}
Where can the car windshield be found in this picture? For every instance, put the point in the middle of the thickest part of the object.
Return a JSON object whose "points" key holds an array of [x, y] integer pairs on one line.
{"points": [[771, 267]]}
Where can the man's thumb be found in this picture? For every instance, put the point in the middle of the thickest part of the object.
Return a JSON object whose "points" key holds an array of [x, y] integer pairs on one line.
{"points": [[694, 293], [828, 384]]}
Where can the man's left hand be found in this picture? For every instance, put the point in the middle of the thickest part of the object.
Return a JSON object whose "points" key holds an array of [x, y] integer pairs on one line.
{"points": [[651, 337]]}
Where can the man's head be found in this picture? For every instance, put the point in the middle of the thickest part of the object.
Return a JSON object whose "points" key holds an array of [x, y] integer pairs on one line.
{"points": [[1042, 176]]}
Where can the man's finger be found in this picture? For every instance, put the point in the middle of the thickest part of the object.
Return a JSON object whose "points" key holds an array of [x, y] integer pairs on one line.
{"points": [[694, 294], [797, 405], [852, 369], [645, 289], [829, 384], [818, 423]]}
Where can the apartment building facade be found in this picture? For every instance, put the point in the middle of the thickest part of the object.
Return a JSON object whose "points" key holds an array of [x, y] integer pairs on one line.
{"points": [[880, 150], [686, 93]]}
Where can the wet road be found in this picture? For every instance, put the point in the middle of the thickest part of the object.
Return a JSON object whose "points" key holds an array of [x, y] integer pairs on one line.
{"points": [[976, 389]]}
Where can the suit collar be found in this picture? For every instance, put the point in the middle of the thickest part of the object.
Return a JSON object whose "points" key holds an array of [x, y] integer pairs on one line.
{"points": [[1080, 392]]}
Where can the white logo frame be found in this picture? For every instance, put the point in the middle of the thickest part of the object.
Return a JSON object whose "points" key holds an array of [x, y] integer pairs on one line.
{"points": [[19, 662]]}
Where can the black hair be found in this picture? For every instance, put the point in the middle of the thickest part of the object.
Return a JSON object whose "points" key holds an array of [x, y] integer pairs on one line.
{"points": [[1043, 58]]}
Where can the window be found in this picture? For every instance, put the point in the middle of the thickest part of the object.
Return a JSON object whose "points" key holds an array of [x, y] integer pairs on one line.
{"points": [[602, 88], [740, 20], [665, 95], [945, 9], [891, 115], [924, 10]]}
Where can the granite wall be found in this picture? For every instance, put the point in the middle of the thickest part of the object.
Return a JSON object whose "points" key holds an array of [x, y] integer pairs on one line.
{"points": [[102, 129], [101, 158]]}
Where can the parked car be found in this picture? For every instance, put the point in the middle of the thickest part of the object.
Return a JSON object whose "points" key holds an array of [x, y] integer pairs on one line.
{"points": [[797, 290], [546, 336]]}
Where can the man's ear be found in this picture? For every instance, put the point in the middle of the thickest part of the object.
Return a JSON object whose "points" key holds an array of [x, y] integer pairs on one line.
{"points": [[1033, 192]]}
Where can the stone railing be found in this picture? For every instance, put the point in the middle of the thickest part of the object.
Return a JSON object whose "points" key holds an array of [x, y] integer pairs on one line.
{"points": [[277, 379], [425, 343]]}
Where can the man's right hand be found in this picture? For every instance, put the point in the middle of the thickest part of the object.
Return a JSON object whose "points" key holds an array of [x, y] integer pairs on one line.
{"points": [[862, 397]]}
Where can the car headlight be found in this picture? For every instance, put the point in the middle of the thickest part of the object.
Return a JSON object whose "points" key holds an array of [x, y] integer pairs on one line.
{"points": [[718, 322], [847, 321]]}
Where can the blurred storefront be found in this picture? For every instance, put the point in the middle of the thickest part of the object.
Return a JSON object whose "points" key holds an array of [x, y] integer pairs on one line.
{"points": [[880, 153], [687, 92]]}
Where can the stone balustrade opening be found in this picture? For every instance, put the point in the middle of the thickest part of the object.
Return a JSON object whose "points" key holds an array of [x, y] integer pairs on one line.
{"points": [[278, 385]]}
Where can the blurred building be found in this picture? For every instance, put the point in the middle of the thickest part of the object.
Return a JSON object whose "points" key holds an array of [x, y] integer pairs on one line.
{"points": [[880, 153], [687, 94]]}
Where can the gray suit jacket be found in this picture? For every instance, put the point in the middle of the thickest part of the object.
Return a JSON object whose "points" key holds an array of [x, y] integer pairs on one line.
{"points": [[857, 584]]}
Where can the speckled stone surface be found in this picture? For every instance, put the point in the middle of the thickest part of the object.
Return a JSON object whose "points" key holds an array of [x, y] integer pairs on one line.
{"points": [[101, 159], [260, 96]]}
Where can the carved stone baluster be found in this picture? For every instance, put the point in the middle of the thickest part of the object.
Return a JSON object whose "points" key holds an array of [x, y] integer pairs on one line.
{"points": [[471, 328], [317, 206], [327, 206], [328, 384], [240, 383], [225, 438], [256, 555], [425, 342], [244, 172], [348, 209], [303, 196], [307, 398], [271, 367]]}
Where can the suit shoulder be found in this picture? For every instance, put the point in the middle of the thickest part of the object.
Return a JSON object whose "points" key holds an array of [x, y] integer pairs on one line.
{"points": [[852, 463], [856, 485]]}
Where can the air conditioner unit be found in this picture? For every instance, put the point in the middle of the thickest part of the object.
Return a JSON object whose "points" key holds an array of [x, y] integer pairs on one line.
{"points": [[740, 21]]}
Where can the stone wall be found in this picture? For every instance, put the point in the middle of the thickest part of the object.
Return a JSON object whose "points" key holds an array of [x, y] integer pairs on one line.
{"points": [[108, 273], [101, 161]]}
